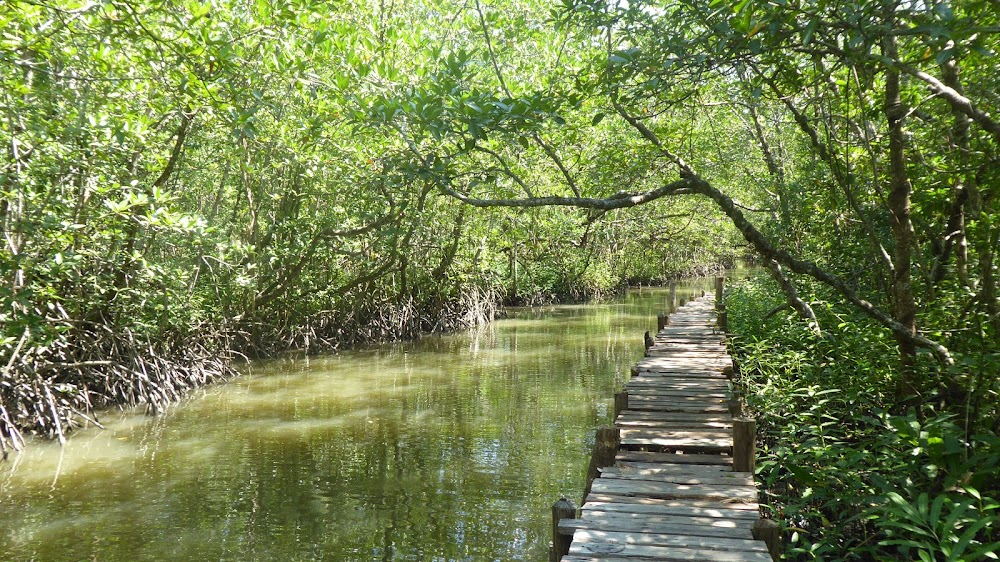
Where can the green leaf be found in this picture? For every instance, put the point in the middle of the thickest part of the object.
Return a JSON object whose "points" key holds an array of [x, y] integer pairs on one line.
{"points": [[810, 31], [597, 119]]}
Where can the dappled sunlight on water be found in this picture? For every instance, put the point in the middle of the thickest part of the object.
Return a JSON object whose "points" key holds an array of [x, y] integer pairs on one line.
{"points": [[450, 448]]}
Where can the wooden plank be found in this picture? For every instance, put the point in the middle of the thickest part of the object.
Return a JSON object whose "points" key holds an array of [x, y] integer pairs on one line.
{"points": [[634, 433], [672, 458], [666, 554], [659, 406], [686, 469], [722, 479], [692, 444], [706, 377], [667, 490], [586, 536], [668, 425], [668, 392], [678, 371], [707, 388], [684, 367], [674, 416], [681, 399], [682, 371], [668, 507], [716, 526], [750, 507], [707, 341], [723, 528], [651, 384], [686, 352]]}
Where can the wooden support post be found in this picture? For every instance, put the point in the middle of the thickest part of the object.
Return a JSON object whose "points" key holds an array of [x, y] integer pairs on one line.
{"points": [[723, 319], [605, 448], [562, 509], [736, 404], [673, 296], [621, 402], [769, 531], [661, 321], [729, 371], [744, 444], [719, 288], [635, 370]]}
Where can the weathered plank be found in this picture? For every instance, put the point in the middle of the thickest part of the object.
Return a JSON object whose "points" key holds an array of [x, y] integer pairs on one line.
{"points": [[675, 416], [714, 389], [642, 523], [721, 479], [672, 458], [708, 379], [638, 398], [626, 422], [667, 490], [669, 554], [748, 506], [680, 371], [652, 539], [671, 507], [659, 406], [668, 392]]}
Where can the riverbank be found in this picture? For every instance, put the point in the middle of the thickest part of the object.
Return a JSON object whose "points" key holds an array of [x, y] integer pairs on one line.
{"points": [[49, 390]]}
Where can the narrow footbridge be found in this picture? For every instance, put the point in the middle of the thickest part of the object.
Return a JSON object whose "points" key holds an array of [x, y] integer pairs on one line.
{"points": [[666, 482]]}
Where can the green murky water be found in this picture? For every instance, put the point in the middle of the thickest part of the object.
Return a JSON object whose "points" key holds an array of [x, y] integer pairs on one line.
{"points": [[449, 448]]}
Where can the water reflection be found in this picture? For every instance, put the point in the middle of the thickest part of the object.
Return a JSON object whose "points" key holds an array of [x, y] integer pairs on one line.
{"points": [[450, 448]]}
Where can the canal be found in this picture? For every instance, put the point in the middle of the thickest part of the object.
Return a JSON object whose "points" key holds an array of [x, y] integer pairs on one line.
{"points": [[452, 447]]}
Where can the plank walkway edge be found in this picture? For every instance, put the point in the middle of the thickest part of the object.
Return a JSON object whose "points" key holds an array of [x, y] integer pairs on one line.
{"points": [[665, 489]]}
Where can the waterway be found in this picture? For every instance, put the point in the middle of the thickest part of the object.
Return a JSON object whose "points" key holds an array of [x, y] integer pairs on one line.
{"points": [[452, 447]]}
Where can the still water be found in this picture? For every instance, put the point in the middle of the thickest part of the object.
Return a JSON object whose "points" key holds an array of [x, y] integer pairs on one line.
{"points": [[449, 448]]}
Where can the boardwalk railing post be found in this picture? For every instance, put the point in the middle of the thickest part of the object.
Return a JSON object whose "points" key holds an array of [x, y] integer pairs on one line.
{"points": [[719, 286], [621, 403], [723, 319], [729, 371], [736, 404], [605, 448], [673, 296], [661, 321], [744, 444], [562, 509], [769, 531]]}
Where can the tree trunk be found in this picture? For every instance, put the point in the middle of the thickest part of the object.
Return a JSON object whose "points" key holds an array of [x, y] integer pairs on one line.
{"points": [[904, 304]]}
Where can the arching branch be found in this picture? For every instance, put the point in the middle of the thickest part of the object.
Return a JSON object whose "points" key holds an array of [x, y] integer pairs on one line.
{"points": [[622, 201], [694, 184]]}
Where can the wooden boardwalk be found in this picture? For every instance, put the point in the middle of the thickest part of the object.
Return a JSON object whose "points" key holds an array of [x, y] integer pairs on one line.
{"points": [[671, 493]]}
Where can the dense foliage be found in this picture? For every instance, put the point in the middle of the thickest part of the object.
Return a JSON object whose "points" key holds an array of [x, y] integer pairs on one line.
{"points": [[185, 182], [851, 473]]}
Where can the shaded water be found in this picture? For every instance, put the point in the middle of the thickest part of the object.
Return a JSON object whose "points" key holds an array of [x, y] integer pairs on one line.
{"points": [[450, 448]]}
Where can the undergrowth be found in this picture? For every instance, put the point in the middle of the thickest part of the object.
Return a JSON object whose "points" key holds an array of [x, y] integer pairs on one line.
{"points": [[852, 470]]}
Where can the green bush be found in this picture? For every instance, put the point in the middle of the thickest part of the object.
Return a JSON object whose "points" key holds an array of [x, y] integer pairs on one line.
{"points": [[850, 472]]}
